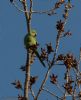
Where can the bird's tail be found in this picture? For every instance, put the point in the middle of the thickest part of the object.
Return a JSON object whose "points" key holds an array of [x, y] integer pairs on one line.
{"points": [[37, 54]]}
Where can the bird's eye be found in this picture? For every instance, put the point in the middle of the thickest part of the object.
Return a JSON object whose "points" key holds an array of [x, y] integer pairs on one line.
{"points": [[33, 33]]}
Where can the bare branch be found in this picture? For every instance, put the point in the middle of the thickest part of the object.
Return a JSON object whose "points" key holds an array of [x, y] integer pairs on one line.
{"points": [[43, 83], [31, 6], [37, 12], [27, 76], [79, 61], [59, 87], [19, 9], [48, 12], [45, 89], [53, 60], [32, 93], [32, 11]]}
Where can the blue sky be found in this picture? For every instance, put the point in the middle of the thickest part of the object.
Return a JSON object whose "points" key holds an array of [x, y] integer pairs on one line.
{"points": [[13, 30]]}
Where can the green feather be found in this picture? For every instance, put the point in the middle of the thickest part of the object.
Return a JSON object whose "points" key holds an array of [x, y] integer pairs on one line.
{"points": [[30, 40]]}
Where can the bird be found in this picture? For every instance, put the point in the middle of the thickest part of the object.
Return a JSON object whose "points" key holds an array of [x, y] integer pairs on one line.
{"points": [[31, 41]]}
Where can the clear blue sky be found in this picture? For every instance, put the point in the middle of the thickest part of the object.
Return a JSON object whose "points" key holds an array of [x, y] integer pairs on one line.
{"points": [[12, 32]]}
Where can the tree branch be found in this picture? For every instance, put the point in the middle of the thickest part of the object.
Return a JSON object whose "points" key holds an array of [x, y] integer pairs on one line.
{"points": [[30, 13], [26, 15], [27, 74], [51, 93], [32, 93], [52, 64], [43, 83], [33, 11]]}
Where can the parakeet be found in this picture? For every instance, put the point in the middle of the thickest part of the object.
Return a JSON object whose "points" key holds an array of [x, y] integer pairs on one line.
{"points": [[30, 40]]}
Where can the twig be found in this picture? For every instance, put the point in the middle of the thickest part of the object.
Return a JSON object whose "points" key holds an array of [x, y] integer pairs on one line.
{"points": [[43, 83], [74, 91], [79, 62], [16, 6], [77, 74], [56, 49], [30, 13], [27, 76], [32, 93], [45, 89], [26, 15], [44, 11], [59, 87], [57, 45], [38, 12]]}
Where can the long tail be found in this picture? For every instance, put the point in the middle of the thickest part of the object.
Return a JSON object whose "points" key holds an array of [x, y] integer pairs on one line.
{"points": [[37, 54]]}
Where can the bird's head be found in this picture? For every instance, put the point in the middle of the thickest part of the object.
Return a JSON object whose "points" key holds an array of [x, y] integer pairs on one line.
{"points": [[33, 33]]}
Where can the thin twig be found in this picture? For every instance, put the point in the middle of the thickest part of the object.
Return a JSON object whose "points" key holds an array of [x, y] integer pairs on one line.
{"points": [[57, 45], [16, 6], [79, 62], [26, 14], [31, 6], [59, 87], [56, 49], [43, 83], [32, 93], [74, 91], [45, 89], [38, 12]]}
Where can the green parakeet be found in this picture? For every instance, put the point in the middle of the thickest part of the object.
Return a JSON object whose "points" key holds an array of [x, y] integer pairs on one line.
{"points": [[30, 40]]}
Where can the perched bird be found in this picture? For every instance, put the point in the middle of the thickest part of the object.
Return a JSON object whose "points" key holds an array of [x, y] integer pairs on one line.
{"points": [[31, 41]]}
